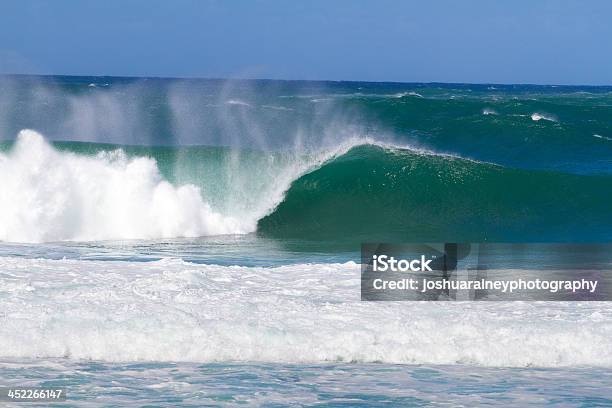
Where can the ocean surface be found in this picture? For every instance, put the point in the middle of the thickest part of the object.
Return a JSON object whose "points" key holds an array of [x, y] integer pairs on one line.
{"points": [[196, 242]]}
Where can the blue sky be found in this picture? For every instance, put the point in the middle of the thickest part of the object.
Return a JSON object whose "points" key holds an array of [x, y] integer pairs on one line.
{"points": [[520, 41]]}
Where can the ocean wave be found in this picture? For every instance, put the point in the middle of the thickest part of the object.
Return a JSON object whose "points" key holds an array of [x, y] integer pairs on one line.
{"points": [[410, 93], [317, 100], [54, 195], [49, 195], [171, 310], [237, 102], [543, 116], [381, 193], [489, 111], [275, 107]]}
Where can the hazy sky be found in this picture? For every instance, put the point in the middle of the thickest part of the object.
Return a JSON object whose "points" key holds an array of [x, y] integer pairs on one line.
{"points": [[512, 41]]}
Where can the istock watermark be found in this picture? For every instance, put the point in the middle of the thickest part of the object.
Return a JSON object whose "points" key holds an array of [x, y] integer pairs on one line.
{"points": [[485, 271]]}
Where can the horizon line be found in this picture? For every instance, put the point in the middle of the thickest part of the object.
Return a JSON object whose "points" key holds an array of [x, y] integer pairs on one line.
{"points": [[298, 80]]}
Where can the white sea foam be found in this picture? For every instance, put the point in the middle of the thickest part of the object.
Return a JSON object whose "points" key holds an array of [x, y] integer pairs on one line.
{"points": [[542, 116], [275, 107], [51, 195], [489, 111], [404, 94], [177, 311], [238, 102]]}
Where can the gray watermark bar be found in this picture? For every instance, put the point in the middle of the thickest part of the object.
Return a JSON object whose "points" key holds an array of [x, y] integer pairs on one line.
{"points": [[32, 394], [485, 271]]}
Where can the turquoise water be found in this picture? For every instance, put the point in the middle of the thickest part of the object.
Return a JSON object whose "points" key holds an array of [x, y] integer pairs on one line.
{"points": [[244, 250], [94, 384]]}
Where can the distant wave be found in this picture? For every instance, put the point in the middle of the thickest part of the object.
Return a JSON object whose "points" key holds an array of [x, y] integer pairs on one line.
{"points": [[94, 85], [542, 116], [237, 102], [275, 107], [488, 111], [410, 93]]}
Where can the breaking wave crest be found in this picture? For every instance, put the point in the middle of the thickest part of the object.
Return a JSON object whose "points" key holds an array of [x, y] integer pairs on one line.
{"points": [[360, 190], [85, 192], [49, 195]]}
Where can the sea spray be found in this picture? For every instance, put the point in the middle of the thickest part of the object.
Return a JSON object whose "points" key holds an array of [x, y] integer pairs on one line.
{"points": [[48, 196], [98, 193]]}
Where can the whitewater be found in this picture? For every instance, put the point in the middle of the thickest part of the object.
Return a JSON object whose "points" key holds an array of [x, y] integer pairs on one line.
{"points": [[172, 310], [50, 195]]}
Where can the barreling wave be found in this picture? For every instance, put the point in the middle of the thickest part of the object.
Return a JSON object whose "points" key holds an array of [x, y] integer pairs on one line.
{"points": [[84, 191], [377, 193], [358, 191]]}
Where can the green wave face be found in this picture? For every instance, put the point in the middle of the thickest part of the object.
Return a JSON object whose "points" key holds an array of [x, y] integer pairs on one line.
{"points": [[372, 193]]}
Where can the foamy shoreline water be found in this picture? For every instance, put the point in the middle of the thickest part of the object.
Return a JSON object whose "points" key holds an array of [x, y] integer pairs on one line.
{"points": [[171, 310]]}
